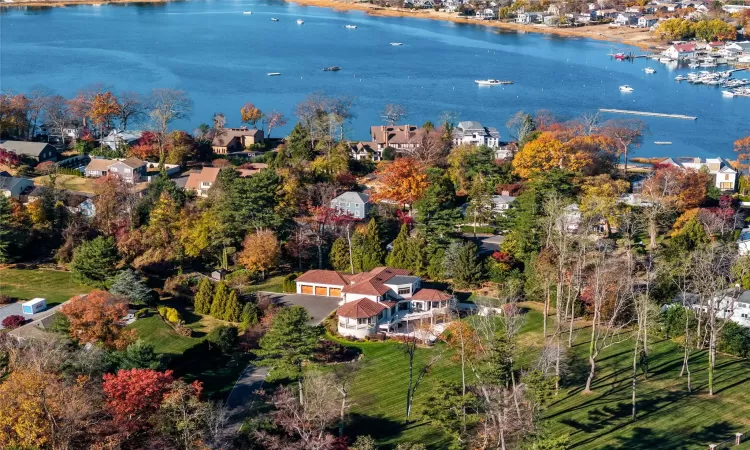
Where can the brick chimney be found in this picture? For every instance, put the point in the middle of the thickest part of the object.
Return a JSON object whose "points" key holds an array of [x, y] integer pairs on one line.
{"points": [[505, 193]]}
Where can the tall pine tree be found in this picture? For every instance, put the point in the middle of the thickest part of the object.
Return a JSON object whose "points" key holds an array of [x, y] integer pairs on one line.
{"points": [[398, 258], [339, 256], [372, 252], [416, 255], [219, 304], [232, 309], [205, 297]]}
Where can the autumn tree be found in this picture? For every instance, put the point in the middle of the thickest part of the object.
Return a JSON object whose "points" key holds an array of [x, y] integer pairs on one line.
{"points": [[97, 317], [114, 201], [132, 108], [404, 182], [134, 395], [552, 150], [104, 108], [167, 105], [600, 200], [250, 114], [627, 135], [742, 147], [274, 120]]}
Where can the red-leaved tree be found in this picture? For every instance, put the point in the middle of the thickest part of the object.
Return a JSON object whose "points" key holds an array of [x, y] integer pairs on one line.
{"points": [[134, 395]]}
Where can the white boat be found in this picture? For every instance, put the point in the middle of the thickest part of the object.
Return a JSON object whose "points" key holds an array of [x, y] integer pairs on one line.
{"points": [[273, 74], [274, 19], [396, 44], [680, 78], [709, 64], [662, 142], [247, 12], [492, 82], [351, 27], [300, 21], [727, 93], [649, 70], [626, 88], [664, 59], [694, 65]]}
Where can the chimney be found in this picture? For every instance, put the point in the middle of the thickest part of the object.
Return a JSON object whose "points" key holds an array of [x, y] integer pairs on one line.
{"points": [[506, 193], [385, 135], [697, 160]]}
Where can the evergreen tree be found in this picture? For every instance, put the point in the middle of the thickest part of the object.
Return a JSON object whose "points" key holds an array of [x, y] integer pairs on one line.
{"points": [[250, 314], [498, 367], [372, 252], [298, 144], [205, 297], [138, 355], [94, 262], [416, 255], [224, 337], [5, 229], [288, 343], [129, 285], [219, 303], [399, 257], [461, 264], [232, 308], [339, 255]]}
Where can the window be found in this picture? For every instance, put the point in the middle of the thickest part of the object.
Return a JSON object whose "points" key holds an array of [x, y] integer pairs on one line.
{"points": [[363, 321], [128, 170], [356, 205], [726, 177], [348, 204], [725, 185], [357, 214], [404, 290], [113, 169], [403, 306]]}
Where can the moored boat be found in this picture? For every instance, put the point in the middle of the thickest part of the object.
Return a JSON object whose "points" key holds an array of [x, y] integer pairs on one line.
{"points": [[273, 74], [626, 88], [332, 69], [351, 27], [274, 19], [300, 21], [247, 12], [662, 142], [492, 82], [396, 44], [649, 70]]}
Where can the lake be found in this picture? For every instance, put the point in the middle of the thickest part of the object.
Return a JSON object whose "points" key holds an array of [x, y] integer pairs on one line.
{"points": [[220, 57]]}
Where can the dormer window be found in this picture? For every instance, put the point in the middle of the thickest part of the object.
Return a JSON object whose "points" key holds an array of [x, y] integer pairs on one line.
{"points": [[404, 290]]}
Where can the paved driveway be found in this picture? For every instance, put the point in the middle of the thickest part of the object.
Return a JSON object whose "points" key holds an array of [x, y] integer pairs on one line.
{"points": [[318, 306], [15, 309]]}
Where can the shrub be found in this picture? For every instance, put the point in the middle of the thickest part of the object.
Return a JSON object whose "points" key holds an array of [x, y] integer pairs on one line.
{"points": [[288, 285], [184, 331], [141, 313], [735, 339], [170, 314], [13, 322], [223, 337], [5, 299]]}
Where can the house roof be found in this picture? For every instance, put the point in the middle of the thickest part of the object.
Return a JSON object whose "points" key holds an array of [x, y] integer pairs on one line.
{"points": [[25, 148], [8, 183], [133, 162], [227, 134], [372, 282], [367, 287], [360, 309], [397, 134], [207, 174], [360, 147], [402, 279], [330, 277], [431, 295], [251, 169], [351, 196], [684, 48], [100, 164]]}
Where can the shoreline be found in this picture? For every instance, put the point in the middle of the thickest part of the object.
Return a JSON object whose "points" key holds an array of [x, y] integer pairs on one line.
{"points": [[66, 3], [636, 37]]}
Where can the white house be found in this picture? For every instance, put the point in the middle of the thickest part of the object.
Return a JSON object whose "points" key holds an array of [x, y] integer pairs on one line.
{"points": [[382, 300], [743, 242], [474, 133], [626, 19], [506, 150], [118, 138], [529, 17], [647, 21], [725, 177], [733, 305], [486, 14], [680, 52], [502, 202]]}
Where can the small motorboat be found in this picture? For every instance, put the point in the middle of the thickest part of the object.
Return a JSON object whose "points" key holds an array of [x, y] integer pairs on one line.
{"points": [[626, 88], [273, 74], [649, 70], [727, 93], [665, 59], [274, 19], [491, 82], [620, 56], [663, 143], [247, 12], [351, 27], [300, 21], [396, 44], [694, 65], [332, 69], [680, 78]]}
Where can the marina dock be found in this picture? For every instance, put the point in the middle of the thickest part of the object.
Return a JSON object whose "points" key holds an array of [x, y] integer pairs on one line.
{"points": [[650, 114]]}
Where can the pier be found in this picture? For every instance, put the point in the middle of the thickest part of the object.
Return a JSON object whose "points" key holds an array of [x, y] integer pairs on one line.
{"points": [[650, 114]]}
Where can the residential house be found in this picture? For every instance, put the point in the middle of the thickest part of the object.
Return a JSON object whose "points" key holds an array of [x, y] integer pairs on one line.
{"points": [[647, 21], [12, 187], [743, 242], [586, 17], [38, 151], [725, 177], [116, 138], [486, 14], [79, 204], [132, 170], [555, 9], [230, 140], [608, 13], [250, 169], [452, 5], [474, 133], [634, 10], [398, 137], [626, 19], [201, 182], [667, 7], [733, 305], [506, 150], [365, 151], [356, 204], [502, 202], [382, 300], [680, 52], [529, 17], [735, 49]]}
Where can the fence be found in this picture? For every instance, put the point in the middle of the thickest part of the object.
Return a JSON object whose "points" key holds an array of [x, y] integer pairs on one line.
{"points": [[729, 443]]}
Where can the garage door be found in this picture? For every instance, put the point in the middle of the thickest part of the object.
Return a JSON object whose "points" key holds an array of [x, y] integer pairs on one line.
{"points": [[335, 292], [321, 290], [307, 289]]}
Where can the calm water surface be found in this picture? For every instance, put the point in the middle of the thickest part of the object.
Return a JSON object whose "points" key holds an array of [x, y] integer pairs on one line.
{"points": [[221, 56]]}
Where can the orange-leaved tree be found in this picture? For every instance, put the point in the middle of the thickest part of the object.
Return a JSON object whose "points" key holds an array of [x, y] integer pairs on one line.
{"points": [[742, 147], [104, 108], [97, 317], [260, 251], [404, 182], [251, 114], [562, 149]]}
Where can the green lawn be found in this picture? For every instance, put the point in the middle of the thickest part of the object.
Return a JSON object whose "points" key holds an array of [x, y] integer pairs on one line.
{"points": [[270, 284], [669, 417], [55, 286], [165, 340]]}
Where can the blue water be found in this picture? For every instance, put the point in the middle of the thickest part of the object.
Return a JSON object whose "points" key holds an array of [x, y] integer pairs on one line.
{"points": [[221, 56]]}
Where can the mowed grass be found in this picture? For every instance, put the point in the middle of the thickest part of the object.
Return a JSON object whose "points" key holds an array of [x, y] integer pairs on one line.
{"points": [[55, 286], [165, 340], [669, 416]]}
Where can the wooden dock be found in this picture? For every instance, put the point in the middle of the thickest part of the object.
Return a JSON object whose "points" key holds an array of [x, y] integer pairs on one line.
{"points": [[650, 114]]}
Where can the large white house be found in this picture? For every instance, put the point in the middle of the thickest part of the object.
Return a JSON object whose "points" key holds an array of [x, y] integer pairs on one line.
{"points": [[733, 305], [680, 52], [382, 300], [474, 133], [725, 177]]}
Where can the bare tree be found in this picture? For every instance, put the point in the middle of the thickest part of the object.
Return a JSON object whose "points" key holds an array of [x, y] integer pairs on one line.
{"points": [[393, 113], [132, 108], [57, 115], [627, 134], [166, 106], [343, 376], [37, 100], [414, 381]]}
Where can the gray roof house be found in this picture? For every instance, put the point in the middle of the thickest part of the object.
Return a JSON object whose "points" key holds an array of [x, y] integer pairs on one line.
{"points": [[356, 204], [14, 186], [39, 151], [132, 170], [474, 133]]}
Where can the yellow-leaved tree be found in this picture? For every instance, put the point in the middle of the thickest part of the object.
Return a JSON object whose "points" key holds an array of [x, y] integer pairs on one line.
{"points": [[260, 251], [600, 199]]}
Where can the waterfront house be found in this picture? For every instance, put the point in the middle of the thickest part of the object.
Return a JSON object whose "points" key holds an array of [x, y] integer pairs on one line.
{"points": [[230, 140], [735, 49], [585, 18], [365, 151], [529, 17], [486, 14], [506, 150], [608, 13], [680, 52], [132, 170], [382, 300], [355, 204], [13, 187], [118, 138], [626, 19], [474, 133], [398, 137], [555, 9], [724, 176], [200, 182], [38, 151], [647, 21]]}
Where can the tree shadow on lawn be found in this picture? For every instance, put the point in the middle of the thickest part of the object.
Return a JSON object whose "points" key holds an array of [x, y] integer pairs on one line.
{"points": [[380, 428], [647, 438]]}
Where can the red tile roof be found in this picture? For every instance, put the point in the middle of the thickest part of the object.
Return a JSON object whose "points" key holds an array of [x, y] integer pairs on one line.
{"points": [[368, 287], [431, 295], [330, 277], [360, 309], [681, 48]]}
